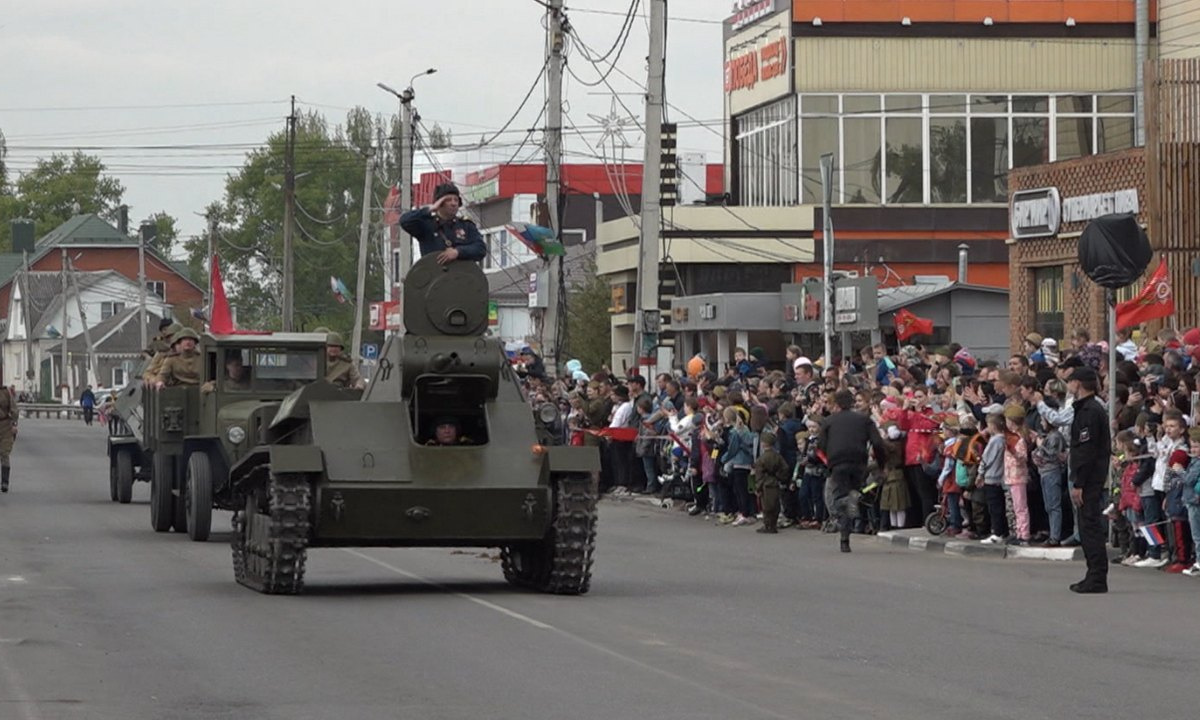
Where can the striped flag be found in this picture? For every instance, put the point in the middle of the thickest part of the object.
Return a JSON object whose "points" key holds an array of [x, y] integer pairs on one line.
{"points": [[1152, 534]]}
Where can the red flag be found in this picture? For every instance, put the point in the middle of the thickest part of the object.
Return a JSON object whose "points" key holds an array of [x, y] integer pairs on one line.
{"points": [[1154, 301], [908, 325], [220, 320]]}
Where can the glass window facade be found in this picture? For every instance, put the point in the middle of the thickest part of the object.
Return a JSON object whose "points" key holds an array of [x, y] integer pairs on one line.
{"points": [[766, 149], [909, 148]]}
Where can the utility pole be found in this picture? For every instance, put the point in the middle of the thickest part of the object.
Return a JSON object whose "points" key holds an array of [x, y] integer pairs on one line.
{"points": [[26, 306], [360, 288], [827, 272], [65, 372], [289, 219], [93, 364], [555, 38], [142, 283], [649, 317]]}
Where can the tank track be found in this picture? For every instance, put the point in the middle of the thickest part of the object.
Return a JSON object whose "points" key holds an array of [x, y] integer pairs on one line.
{"points": [[562, 562], [275, 565]]}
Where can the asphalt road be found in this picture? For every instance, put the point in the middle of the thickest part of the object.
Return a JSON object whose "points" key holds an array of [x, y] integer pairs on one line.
{"points": [[101, 618]]}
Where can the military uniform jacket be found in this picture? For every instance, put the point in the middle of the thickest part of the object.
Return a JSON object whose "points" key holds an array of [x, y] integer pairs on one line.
{"points": [[8, 411], [1091, 445], [433, 235], [160, 348], [770, 470], [181, 368], [342, 372]]}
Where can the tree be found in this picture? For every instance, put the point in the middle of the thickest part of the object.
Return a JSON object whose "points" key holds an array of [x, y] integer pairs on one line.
{"points": [[166, 234], [329, 169], [439, 139], [3, 166], [57, 189], [589, 325]]}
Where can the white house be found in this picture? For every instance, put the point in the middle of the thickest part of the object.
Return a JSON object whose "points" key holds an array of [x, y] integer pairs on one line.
{"points": [[36, 310]]}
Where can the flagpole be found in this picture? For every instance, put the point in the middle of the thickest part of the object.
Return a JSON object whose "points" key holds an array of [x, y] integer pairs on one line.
{"points": [[1110, 299]]}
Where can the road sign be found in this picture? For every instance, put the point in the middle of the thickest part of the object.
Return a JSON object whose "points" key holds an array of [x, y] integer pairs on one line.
{"points": [[370, 351]]}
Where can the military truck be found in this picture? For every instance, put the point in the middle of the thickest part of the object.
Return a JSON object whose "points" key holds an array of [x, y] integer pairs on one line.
{"points": [[443, 449], [183, 439]]}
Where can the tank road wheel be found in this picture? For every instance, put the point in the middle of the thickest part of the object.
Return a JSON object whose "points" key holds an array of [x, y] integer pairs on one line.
{"points": [[561, 563], [197, 496], [124, 473], [162, 503], [271, 536]]}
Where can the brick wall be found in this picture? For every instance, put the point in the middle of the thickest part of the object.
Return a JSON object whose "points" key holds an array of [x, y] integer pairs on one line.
{"points": [[1083, 302]]}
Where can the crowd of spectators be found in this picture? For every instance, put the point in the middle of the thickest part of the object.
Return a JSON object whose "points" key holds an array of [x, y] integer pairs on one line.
{"points": [[982, 444]]}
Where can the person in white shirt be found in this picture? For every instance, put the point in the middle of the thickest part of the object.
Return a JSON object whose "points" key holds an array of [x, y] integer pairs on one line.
{"points": [[621, 451]]}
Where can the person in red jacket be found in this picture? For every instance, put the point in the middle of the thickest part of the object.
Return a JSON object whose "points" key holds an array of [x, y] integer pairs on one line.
{"points": [[920, 426]]}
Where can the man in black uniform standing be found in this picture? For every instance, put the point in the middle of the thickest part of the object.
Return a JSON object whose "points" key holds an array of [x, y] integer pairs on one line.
{"points": [[844, 437], [439, 229], [1091, 450]]}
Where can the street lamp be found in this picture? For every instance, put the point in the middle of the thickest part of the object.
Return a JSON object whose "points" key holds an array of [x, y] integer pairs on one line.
{"points": [[405, 157]]}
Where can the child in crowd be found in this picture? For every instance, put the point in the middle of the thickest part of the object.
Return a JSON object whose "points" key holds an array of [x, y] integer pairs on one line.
{"points": [[893, 497], [770, 472], [948, 478], [812, 479], [1016, 469], [991, 479], [736, 462], [1131, 462], [1050, 459], [1191, 497]]}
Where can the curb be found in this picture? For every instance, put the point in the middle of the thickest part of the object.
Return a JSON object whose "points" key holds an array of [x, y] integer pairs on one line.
{"points": [[920, 541]]}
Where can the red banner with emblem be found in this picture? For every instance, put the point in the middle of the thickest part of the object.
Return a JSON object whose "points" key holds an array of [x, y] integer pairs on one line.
{"points": [[908, 325], [1154, 301]]}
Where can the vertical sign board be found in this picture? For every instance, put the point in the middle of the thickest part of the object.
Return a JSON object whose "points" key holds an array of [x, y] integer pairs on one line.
{"points": [[758, 62]]}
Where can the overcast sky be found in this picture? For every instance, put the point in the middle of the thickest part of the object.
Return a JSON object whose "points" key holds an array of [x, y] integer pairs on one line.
{"points": [[101, 75]]}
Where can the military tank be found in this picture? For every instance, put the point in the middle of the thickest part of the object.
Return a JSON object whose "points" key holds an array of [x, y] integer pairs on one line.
{"points": [[442, 450]]}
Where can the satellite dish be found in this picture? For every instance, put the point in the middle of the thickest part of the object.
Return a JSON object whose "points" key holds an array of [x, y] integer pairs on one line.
{"points": [[1114, 251]]}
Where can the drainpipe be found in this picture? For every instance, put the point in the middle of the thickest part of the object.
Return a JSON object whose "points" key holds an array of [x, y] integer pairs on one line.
{"points": [[1141, 44], [962, 262]]}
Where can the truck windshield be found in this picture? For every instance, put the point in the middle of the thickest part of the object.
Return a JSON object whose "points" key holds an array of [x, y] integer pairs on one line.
{"points": [[279, 369]]}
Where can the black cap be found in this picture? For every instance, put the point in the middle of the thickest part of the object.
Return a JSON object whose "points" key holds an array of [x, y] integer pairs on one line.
{"points": [[444, 420], [622, 392], [446, 189], [1072, 362], [1084, 374]]}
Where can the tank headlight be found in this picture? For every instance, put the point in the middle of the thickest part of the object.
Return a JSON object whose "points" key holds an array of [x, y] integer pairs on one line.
{"points": [[236, 434], [548, 413]]}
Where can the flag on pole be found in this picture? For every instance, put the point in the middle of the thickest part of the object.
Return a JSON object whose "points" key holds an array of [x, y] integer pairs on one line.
{"points": [[908, 325], [537, 238], [1154, 301], [1152, 534], [340, 291], [221, 321]]}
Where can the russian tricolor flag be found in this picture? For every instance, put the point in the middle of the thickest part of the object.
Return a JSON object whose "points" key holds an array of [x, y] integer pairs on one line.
{"points": [[1152, 534]]}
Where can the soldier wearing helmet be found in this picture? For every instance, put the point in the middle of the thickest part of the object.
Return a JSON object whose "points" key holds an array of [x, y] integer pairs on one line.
{"points": [[439, 229], [339, 369], [160, 348], [183, 365]]}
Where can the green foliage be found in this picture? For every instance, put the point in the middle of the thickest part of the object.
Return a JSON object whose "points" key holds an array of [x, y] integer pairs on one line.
{"points": [[589, 325], [55, 190], [329, 180]]}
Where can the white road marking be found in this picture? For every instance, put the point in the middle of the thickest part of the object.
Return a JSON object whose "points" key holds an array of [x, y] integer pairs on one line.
{"points": [[471, 598], [648, 667]]}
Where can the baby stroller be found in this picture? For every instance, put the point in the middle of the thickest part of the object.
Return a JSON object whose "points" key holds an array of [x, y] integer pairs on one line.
{"points": [[677, 485]]}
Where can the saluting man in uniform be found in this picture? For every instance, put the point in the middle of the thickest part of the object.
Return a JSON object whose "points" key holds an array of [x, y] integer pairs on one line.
{"points": [[339, 369], [439, 229], [183, 366], [8, 432], [1091, 451]]}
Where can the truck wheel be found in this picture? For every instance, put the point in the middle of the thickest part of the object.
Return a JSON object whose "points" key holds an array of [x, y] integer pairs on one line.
{"points": [[162, 503], [124, 470], [112, 481], [198, 496]]}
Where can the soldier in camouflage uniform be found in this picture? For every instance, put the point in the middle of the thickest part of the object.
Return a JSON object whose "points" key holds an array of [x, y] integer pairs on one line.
{"points": [[183, 365], [159, 348], [8, 432], [339, 369]]}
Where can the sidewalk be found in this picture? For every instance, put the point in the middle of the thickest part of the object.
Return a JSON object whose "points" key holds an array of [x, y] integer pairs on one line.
{"points": [[919, 539]]}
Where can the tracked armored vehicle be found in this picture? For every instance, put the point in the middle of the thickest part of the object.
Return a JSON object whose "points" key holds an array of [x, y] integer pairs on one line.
{"points": [[443, 449], [183, 439]]}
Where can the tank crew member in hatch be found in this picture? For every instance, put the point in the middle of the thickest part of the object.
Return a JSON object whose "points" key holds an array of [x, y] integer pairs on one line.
{"points": [[446, 432], [439, 229]]}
